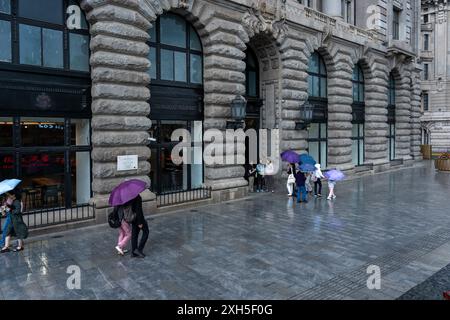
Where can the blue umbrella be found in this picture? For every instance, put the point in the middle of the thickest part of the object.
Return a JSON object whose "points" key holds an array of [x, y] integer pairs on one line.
{"points": [[334, 175], [306, 158], [8, 185], [307, 167], [289, 156]]}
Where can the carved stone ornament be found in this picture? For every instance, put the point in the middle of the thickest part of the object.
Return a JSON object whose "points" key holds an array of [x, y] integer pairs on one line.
{"points": [[327, 34], [260, 19], [184, 4]]}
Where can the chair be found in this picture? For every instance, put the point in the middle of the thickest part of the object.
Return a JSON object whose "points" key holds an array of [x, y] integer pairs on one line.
{"points": [[51, 194]]}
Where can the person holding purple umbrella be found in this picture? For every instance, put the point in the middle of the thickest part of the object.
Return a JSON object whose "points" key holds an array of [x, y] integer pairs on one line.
{"points": [[333, 176], [139, 224]]}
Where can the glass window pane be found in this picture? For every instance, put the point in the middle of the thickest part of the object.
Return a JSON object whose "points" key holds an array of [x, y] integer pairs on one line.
{"points": [[43, 180], [197, 155], [361, 152], [166, 64], [323, 87], [355, 74], [42, 131], [196, 69], [323, 130], [5, 40], [361, 130], [7, 167], [195, 40], [53, 48], [152, 33], [252, 84], [180, 66], [30, 45], [153, 66], [80, 132], [361, 93], [313, 63], [84, 24], [6, 132], [323, 154], [173, 30], [354, 130], [5, 6], [42, 10], [313, 132], [316, 88], [310, 86], [323, 69], [80, 163], [79, 52], [355, 152], [314, 150]]}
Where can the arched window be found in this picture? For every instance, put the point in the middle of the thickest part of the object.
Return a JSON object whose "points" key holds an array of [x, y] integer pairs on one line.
{"points": [[358, 116], [175, 52], [317, 80], [317, 96], [176, 87], [391, 116], [44, 37], [251, 75]]}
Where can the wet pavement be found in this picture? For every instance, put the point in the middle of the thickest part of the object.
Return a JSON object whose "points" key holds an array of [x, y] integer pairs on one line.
{"points": [[264, 247]]}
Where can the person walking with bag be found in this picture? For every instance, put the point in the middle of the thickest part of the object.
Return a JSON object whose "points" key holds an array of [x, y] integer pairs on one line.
{"points": [[137, 225], [124, 213], [317, 179], [17, 228], [291, 179], [4, 211], [300, 180]]}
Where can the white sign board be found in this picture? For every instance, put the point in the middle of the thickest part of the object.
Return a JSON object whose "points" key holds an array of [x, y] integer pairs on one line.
{"points": [[125, 163]]}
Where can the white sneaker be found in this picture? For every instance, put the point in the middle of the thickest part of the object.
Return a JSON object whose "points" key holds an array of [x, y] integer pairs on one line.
{"points": [[334, 197], [119, 250], [329, 198]]}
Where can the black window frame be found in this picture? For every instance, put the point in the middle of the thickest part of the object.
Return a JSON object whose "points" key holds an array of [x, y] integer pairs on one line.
{"points": [[156, 43], [396, 12], [322, 74], [391, 116], [426, 42], [16, 21], [425, 101], [358, 111]]}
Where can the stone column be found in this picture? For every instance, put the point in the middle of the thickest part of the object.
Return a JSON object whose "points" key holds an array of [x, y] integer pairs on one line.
{"points": [[340, 99], [120, 96], [333, 8], [376, 128], [402, 116], [416, 132]]}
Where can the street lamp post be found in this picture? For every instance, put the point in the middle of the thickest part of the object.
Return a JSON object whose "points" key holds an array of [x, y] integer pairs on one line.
{"points": [[238, 113], [306, 116]]}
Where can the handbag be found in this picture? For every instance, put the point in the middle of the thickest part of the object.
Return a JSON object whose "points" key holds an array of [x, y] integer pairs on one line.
{"points": [[113, 220], [291, 179]]}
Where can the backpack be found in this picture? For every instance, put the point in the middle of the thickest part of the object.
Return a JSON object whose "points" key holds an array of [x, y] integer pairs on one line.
{"points": [[113, 219], [128, 214]]}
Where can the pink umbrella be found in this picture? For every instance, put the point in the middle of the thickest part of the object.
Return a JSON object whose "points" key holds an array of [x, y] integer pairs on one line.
{"points": [[126, 191]]}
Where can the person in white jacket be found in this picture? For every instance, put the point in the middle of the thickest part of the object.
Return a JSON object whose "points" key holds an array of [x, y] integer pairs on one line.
{"points": [[268, 176], [317, 178]]}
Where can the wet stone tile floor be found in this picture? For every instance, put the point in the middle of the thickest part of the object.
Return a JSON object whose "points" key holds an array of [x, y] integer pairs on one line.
{"points": [[263, 247]]}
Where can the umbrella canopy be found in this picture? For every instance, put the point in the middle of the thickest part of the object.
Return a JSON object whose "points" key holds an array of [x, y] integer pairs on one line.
{"points": [[306, 158], [307, 167], [335, 175], [290, 156], [8, 185], [126, 191]]}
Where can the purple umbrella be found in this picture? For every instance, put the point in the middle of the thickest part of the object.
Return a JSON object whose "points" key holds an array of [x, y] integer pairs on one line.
{"points": [[334, 175], [126, 191], [290, 156], [307, 167]]}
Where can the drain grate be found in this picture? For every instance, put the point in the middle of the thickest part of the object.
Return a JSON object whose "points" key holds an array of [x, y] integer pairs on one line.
{"points": [[343, 285]]}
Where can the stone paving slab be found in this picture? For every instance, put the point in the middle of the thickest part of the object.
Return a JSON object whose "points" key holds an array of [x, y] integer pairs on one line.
{"points": [[264, 247]]}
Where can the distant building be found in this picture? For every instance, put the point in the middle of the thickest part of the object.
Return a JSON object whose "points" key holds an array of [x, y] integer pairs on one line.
{"points": [[435, 58]]}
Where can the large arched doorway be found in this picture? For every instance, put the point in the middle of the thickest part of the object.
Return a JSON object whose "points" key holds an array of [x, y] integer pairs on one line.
{"points": [[45, 108], [176, 102]]}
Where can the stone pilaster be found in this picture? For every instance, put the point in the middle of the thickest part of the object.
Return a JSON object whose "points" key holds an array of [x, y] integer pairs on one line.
{"points": [[416, 134], [119, 91], [340, 99], [294, 76], [376, 128], [402, 116]]}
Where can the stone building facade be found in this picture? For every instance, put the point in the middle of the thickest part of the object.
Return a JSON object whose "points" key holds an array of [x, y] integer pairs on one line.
{"points": [[317, 51], [435, 83]]}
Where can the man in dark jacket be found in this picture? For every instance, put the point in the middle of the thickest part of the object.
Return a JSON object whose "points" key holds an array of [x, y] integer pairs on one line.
{"points": [[137, 225], [300, 180]]}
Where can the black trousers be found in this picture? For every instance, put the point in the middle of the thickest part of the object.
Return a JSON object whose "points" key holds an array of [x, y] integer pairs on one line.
{"points": [[135, 230], [317, 183]]}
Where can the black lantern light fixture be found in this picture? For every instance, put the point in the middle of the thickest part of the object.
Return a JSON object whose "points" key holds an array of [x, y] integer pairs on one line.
{"points": [[306, 116], [238, 113]]}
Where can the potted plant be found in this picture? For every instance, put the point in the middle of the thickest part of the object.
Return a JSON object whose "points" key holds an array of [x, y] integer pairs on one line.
{"points": [[443, 162]]}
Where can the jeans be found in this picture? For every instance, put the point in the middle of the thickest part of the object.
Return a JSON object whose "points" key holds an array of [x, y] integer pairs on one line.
{"points": [[318, 183], [135, 230], [5, 227], [301, 193]]}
